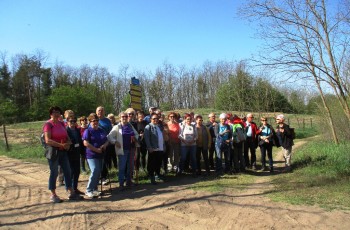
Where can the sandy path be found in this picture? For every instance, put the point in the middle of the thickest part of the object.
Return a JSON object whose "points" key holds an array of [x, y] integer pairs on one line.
{"points": [[24, 204]]}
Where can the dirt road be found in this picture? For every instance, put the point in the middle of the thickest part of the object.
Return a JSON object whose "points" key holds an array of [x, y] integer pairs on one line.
{"points": [[24, 204]]}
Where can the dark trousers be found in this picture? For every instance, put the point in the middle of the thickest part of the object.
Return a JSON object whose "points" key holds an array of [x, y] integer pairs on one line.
{"points": [[211, 154], [107, 161], [154, 163], [266, 148], [112, 157], [237, 157], [75, 171], [140, 160], [165, 158], [249, 145], [204, 152]]}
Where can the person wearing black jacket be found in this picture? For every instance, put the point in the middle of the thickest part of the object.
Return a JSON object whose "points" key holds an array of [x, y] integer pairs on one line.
{"points": [[285, 137], [75, 150], [141, 151], [211, 124]]}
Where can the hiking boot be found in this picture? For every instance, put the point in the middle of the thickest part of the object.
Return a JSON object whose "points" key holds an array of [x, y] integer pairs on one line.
{"points": [[263, 168], [77, 191], [55, 199], [254, 167], [75, 196], [271, 169]]}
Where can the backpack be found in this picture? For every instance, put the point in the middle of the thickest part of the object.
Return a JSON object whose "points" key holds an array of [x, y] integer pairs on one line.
{"points": [[292, 133], [42, 136], [239, 133]]}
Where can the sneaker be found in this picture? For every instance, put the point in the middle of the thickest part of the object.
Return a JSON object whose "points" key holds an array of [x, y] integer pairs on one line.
{"points": [[55, 199], [105, 182], [96, 193], [262, 168], [254, 167], [90, 194]]}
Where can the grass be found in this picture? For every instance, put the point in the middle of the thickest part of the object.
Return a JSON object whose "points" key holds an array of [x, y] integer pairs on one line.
{"points": [[321, 177], [229, 183]]}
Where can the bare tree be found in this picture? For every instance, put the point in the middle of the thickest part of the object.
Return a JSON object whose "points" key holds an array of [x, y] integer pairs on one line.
{"points": [[305, 40]]}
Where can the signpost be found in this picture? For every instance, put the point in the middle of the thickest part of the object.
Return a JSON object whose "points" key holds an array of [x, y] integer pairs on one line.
{"points": [[135, 94]]}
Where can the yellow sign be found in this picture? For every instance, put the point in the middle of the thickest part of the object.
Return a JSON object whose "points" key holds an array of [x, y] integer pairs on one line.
{"points": [[135, 93], [135, 99], [135, 105], [135, 88]]}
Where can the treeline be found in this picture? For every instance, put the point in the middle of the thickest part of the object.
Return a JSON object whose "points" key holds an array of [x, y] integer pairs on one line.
{"points": [[31, 86]]}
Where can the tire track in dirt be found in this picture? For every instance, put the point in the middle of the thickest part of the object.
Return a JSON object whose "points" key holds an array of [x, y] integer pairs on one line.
{"points": [[169, 205]]}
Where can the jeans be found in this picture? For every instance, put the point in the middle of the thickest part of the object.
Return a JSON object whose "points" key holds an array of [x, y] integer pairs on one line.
{"points": [[95, 165], [63, 161], [188, 150], [219, 153], [126, 166], [263, 149]]}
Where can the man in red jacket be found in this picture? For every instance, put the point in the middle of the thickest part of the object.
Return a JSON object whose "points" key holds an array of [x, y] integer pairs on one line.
{"points": [[251, 130]]}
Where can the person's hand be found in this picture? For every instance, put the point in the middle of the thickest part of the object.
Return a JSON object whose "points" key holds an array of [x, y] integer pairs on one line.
{"points": [[66, 146]]}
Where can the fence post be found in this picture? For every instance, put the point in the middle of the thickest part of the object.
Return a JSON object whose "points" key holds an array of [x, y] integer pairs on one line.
{"points": [[6, 142], [311, 122], [303, 123]]}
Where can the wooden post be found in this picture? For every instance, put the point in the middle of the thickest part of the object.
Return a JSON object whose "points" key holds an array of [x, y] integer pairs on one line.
{"points": [[303, 123], [6, 142], [311, 122]]}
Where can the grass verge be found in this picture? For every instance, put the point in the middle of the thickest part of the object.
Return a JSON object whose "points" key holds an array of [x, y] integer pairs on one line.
{"points": [[321, 177], [224, 183]]}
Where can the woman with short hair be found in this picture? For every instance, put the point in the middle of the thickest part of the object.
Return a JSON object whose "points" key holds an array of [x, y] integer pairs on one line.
{"points": [[95, 141], [124, 137]]}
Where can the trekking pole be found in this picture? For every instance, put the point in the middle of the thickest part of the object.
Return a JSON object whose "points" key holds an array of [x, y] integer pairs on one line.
{"points": [[101, 176]]}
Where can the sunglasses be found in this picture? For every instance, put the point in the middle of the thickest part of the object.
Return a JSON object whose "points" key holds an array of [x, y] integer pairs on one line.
{"points": [[73, 121], [124, 116], [263, 120], [130, 114], [277, 119], [154, 118], [200, 120], [94, 120]]}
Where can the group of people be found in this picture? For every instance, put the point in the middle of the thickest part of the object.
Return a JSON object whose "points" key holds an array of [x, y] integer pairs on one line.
{"points": [[134, 141]]}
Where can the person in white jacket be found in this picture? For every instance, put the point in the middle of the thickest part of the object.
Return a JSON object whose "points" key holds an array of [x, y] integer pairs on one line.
{"points": [[124, 137]]}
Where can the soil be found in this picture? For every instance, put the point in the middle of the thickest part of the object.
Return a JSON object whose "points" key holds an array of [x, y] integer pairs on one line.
{"points": [[25, 204]]}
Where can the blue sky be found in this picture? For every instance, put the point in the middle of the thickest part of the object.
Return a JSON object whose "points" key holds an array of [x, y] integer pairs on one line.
{"points": [[139, 33]]}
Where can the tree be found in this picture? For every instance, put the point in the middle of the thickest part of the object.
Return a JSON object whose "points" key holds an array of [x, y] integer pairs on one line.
{"points": [[80, 100], [307, 40], [5, 82]]}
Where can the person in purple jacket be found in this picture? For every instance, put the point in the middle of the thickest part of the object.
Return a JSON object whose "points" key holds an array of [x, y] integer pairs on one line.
{"points": [[95, 141]]}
